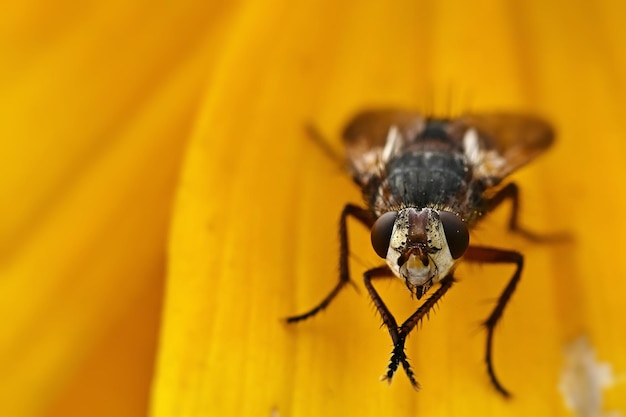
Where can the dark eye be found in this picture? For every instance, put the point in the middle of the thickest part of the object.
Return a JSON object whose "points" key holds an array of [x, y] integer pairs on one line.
{"points": [[456, 233], [381, 233]]}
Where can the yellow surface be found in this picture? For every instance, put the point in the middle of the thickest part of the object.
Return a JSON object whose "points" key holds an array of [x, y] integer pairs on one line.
{"points": [[147, 142]]}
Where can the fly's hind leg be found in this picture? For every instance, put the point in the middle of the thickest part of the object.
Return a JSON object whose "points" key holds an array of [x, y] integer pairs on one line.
{"points": [[511, 192], [324, 145], [363, 216]]}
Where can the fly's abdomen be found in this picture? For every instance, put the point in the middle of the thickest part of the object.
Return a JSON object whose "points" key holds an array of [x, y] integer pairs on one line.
{"points": [[426, 178]]}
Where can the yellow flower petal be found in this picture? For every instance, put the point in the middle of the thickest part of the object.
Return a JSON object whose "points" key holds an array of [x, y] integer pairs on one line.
{"points": [[254, 234], [96, 109], [97, 103]]}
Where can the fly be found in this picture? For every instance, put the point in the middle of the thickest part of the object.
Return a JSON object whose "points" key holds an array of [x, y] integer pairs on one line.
{"points": [[426, 182]]}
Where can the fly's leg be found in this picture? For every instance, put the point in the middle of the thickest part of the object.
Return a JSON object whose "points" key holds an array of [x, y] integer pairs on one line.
{"points": [[363, 216], [508, 192], [323, 144], [399, 333], [511, 192], [492, 255]]}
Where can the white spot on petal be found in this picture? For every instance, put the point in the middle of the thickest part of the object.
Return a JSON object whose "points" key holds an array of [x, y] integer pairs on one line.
{"points": [[583, 379]]}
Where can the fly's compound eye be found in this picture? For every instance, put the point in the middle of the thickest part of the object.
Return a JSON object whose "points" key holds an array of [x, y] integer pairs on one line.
{"points": [[456, 232], [381, 233]]}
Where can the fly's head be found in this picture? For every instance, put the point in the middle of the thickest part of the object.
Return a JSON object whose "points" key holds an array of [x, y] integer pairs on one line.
{"points": [[421, 246]]}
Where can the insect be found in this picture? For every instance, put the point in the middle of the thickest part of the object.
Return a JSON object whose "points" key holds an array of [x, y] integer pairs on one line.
{"points": [[425, 182]]}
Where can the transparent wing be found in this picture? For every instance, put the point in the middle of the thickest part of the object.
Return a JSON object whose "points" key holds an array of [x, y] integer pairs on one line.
{"points": [[496, 144], [366, 134], [369, 129], [506, 141]]}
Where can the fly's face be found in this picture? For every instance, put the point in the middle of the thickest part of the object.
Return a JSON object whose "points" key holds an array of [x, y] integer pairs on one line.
{"points": [[421, 246]]}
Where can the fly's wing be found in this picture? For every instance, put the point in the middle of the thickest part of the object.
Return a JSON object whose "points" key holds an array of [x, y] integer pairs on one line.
{"points": [[371, 127], [503, 142], [367, 133]]}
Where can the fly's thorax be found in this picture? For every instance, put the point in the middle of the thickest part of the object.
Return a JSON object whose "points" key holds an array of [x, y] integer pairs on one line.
{"points": [[421, 246]]}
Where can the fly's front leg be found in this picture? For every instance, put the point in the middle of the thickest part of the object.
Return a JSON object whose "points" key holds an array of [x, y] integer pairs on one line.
{"points": [[365, 218], [399, 333], [491, 255], [410, 323]]}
